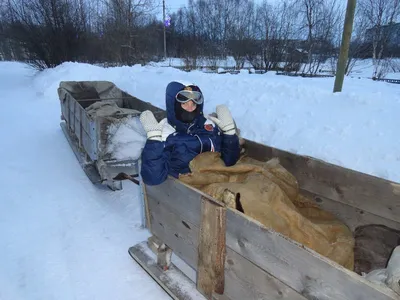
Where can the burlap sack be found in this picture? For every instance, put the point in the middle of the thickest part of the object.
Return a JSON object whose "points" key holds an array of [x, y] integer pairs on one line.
{"points": [[270, 194]]}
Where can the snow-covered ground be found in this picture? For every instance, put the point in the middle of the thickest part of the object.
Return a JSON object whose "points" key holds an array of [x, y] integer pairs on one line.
{"points": [[62, 238], [362, 68]]}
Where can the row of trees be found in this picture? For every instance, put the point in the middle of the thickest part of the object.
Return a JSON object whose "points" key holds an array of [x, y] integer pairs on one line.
{"points": [[295, 35]]}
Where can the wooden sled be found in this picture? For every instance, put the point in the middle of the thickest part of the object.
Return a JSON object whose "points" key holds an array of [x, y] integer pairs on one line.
{"points": [[235, 257], [88, 136], [246, 260]]}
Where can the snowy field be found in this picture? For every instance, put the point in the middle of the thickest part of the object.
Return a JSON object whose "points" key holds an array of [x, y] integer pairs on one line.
{"points": [[360, 67], [62, 238]]}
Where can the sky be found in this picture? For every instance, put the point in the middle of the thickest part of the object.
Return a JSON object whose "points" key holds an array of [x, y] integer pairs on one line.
{"points": [[174, 5]]}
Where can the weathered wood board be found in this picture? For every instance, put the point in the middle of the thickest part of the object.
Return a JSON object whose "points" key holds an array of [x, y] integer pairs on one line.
{"points": [[175, 216], [170, 221], [211, 250], [307, 272], [349, 215], [364, 192], [88, 168]]}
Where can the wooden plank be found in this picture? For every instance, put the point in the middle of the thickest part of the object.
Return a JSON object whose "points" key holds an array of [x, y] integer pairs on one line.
{"points": [[80, 127], [244, 280], [87, 144], [368, 193], [146, 205], [304, 270], [85, 121], [88, 167], [349, 215], [181, 234], [176, 284], [74, 104], [211, 249], [70, 117], [181, 199], [174, 230]]}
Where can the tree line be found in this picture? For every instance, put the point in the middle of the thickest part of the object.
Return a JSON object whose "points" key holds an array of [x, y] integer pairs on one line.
{"points": [[287, 35]]}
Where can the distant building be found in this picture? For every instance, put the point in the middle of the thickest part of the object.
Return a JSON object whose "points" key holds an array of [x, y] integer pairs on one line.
{"points": [[390, 31]]}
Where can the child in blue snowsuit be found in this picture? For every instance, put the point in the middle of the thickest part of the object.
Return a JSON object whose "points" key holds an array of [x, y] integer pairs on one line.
{"points": [[173, 142]]}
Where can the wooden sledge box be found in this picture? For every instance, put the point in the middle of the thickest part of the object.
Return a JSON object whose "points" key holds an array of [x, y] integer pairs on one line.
{"points": [[232, 255], [89, 135], [235, 257]]}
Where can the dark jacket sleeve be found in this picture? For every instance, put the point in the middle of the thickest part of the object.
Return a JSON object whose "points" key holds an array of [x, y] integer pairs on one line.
{"points": [[230, 149], [155, 163]]}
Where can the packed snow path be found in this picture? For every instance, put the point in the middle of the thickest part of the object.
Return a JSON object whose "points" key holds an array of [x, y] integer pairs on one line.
{"points": [[60, 237]]}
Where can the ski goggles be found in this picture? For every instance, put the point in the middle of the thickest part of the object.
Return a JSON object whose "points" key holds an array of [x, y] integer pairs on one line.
{"points": [[185, 96]]}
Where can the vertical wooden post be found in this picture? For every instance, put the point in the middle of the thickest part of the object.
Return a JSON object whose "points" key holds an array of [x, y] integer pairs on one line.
{"points": [[163, 252], [165, 38], [344, 48], [211, 249]]}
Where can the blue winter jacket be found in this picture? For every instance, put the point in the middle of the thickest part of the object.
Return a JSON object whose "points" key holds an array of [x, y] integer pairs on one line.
{"points": [[172, 157]]}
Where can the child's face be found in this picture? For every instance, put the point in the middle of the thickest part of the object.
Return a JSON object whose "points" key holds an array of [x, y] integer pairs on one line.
{"points": [[189, 106]]}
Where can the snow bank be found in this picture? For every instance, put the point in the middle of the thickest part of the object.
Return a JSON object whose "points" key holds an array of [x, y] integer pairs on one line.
{"points": [[356, 129]]}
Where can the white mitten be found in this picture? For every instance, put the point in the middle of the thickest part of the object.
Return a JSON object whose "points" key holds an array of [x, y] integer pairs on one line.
{"points": [[166, 131], [224, 120], [151, 126]]}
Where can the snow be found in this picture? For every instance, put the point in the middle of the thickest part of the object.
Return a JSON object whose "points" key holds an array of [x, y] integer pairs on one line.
{"points": [[229, 62], [389, 276], [356, 129], [63, 238], [361, 68], [127, 139]]}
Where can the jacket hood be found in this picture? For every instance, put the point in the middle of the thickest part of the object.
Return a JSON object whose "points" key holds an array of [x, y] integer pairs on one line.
{"points": [[172, 89]]}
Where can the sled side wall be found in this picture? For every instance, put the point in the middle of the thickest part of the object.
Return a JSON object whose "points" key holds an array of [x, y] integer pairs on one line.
{"points": [[259, 263], [355, 198], [263, 264], [79, 125]]}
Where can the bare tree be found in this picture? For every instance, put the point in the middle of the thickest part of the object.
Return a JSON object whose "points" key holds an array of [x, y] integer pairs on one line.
{"points": [[379, 16], [241, 39], [49, 31], [277, 28], [321, 21], [359, 49], [124, 20]]}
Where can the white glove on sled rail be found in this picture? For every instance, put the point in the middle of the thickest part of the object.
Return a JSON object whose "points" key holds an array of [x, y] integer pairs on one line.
{"points": [[224, 120], [151, 126]]}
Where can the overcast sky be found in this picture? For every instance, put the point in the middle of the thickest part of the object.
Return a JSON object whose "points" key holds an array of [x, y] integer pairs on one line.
{"points": [[174, 5]]}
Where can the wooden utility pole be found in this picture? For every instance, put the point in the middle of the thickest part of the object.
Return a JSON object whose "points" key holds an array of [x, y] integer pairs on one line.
{"points": [[164, 25], [344, 48]]}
